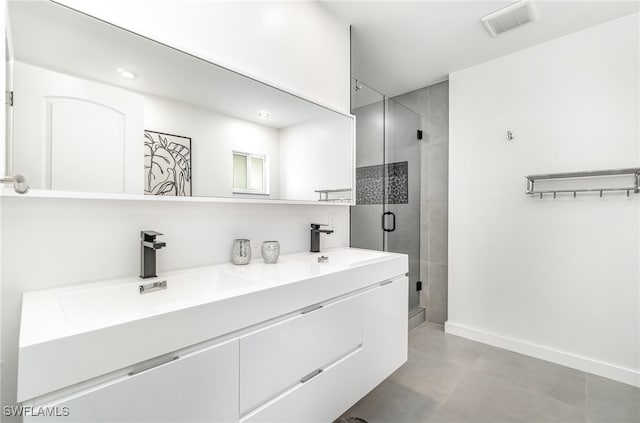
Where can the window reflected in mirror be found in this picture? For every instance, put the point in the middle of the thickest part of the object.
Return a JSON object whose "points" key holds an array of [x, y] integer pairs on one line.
{"points": [[249, 173]]}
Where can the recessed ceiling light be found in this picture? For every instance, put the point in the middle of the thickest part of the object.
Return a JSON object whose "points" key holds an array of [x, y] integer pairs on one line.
{"points": [[263, 114], [126, 74]]}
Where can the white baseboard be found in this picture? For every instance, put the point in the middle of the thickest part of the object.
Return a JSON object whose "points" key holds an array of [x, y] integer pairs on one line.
{"points": [[585, 364]]}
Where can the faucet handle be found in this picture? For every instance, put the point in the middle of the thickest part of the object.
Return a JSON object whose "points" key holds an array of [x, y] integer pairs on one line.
{"points": [[317, 225], [149, 235]]}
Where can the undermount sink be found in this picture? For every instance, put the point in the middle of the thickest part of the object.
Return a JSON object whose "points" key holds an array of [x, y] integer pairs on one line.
{"points": [[125, 302], [342, 258]]}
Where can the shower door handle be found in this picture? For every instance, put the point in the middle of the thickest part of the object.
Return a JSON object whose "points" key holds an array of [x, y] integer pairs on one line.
{"points": [[384, 221]]}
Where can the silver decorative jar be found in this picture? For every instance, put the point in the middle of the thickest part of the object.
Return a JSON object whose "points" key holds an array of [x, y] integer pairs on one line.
{"points": [[241, 251], [270, 251]]}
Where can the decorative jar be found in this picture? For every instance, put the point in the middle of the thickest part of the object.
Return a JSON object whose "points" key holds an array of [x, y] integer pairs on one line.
{"points": [[241, 251], [270, 251]]}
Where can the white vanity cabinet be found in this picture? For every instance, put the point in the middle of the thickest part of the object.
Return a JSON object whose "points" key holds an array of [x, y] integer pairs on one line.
{"points": [[294, 352], [385, 331], [314, 367], [201, 386]]}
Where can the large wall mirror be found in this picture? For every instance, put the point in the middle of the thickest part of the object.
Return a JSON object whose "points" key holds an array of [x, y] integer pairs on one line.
{"points": [[99, 109]]}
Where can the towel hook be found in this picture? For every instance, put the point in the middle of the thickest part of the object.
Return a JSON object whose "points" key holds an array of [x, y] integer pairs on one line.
{"points": [[510, 135]]}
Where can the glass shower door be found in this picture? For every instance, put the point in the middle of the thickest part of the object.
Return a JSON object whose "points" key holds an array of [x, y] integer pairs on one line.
{"points": [[402, 180], [386, 216]]}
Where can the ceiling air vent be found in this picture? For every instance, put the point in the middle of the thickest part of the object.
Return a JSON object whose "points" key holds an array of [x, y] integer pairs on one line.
{"points": [[510, 17]]}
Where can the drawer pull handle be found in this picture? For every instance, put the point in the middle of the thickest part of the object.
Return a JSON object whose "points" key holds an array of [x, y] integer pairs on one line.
{"points": [[311, 375], [138, 371], [385, 283], [310, 309]]}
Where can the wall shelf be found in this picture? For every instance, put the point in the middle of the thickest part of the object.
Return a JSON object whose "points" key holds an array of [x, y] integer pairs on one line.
{"points": [[8, 192], [632, 174], [337, 194]]}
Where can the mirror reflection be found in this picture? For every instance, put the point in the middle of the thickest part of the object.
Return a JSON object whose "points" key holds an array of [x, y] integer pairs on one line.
{"points": [[99, 109]]}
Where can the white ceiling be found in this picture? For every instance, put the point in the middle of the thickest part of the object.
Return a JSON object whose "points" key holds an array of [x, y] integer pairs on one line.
{"points": [[54, 37], [400, 46]]}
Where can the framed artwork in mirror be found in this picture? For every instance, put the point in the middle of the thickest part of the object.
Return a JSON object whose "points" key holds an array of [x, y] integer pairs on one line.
{"points": [[167, 164]]}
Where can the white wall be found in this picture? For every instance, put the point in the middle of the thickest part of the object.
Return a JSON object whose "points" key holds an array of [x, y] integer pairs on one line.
{"points": [[49, 242], [3, 129], [214, 137], [557, 279], [316, 155], [294, 45]]}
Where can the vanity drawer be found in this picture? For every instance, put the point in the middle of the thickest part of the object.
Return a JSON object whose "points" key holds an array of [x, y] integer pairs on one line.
{"points": [[319, 400], [200, 386], [278, 357]]}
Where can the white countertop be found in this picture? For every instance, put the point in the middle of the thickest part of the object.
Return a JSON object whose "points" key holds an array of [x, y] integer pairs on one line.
{"points": [[74, 333]]}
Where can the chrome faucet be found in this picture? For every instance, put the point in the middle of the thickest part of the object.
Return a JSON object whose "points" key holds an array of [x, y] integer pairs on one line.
{"points": [[315, 236], [148, 247]]}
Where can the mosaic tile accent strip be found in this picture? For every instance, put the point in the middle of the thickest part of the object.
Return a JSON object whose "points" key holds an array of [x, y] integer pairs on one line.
{"points": [[369, 183], [398, 183]]}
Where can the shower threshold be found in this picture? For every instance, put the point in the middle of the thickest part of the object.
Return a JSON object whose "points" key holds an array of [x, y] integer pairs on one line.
{"points": [[417, 315]]}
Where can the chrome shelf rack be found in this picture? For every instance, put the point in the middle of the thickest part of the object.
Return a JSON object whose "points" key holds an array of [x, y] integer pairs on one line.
{"points": [[634, 187], [326, 193]]}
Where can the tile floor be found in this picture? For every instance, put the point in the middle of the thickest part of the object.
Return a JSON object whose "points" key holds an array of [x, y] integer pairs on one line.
{"points": [[452, 379]]}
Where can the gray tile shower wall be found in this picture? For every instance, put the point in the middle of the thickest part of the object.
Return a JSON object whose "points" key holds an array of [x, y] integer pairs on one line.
{"points": [[432, 103], [370, 134]]}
